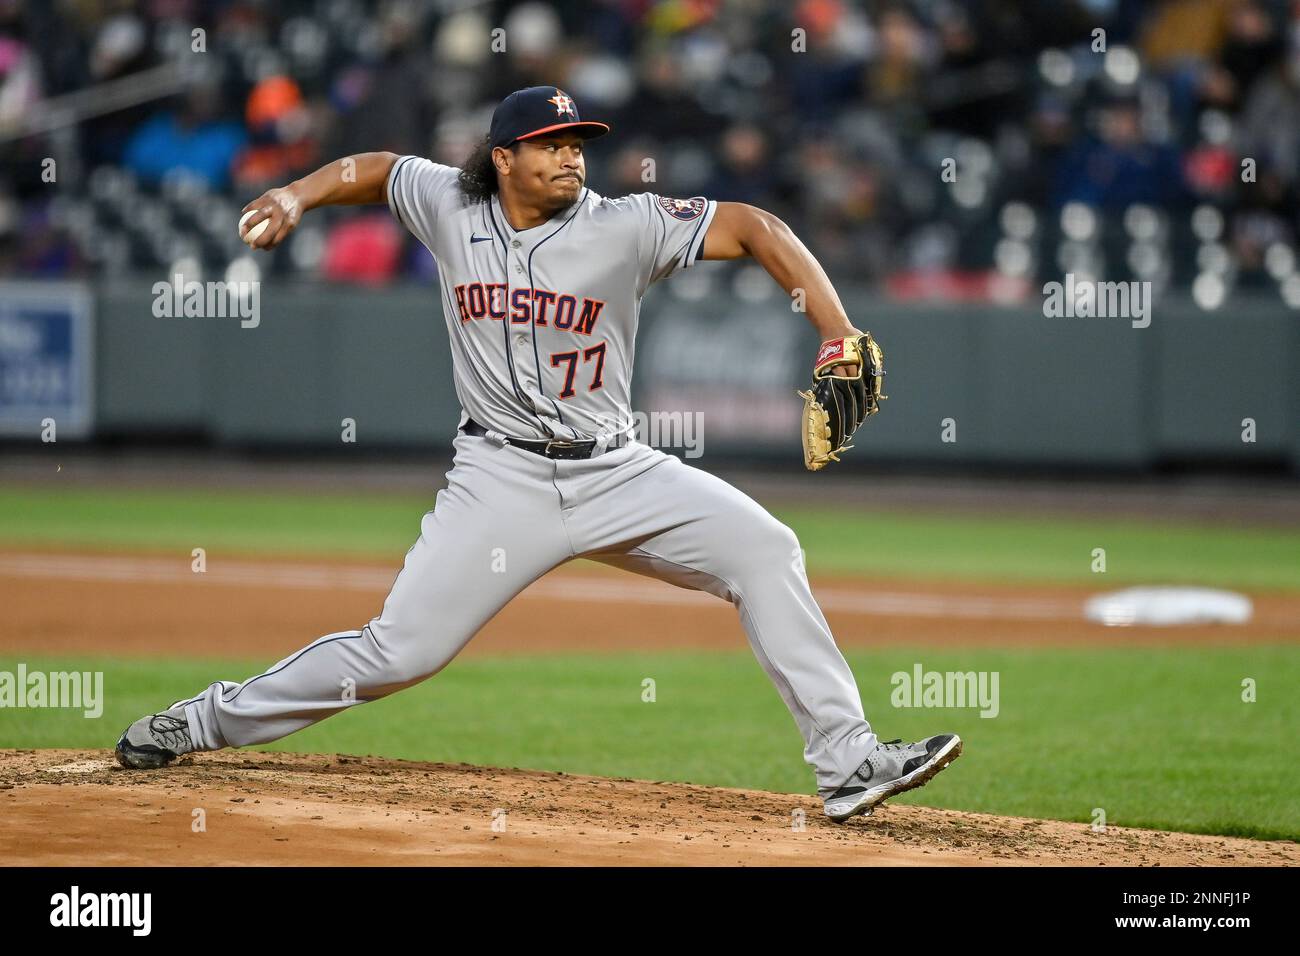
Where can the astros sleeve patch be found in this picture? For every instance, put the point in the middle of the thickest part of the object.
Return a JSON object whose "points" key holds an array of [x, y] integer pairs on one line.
{"points": [[684, 209], [673, 233]]}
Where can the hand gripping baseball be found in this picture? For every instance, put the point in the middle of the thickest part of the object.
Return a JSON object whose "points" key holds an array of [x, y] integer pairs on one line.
{"points": [[279, 209], [848, 375]]}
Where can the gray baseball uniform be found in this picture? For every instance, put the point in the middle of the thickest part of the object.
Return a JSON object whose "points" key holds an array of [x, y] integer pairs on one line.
{"points": [[542, 324]]}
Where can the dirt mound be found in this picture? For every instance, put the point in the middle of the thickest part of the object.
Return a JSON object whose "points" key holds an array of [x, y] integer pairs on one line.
{"points": [[77, 807]]}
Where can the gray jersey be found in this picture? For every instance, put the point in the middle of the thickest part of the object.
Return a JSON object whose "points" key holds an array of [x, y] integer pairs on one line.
{"points": [[543, 321], [542, 326]]}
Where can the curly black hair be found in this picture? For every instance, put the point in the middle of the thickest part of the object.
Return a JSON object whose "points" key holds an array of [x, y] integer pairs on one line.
{"points": [[478, 175]]}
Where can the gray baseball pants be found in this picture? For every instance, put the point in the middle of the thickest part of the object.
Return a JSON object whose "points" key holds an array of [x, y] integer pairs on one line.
{"points": [[507, 517]]}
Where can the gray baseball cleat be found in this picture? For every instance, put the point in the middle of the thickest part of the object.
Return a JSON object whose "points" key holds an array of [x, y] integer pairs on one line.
{"points": [[892, 768], [155, 740]]}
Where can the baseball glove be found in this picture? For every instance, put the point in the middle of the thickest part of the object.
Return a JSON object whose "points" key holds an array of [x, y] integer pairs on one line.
{"points": [[837, 404]]}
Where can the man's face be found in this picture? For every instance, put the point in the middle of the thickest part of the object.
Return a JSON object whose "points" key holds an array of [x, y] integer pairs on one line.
{"points": [[549, 170]]}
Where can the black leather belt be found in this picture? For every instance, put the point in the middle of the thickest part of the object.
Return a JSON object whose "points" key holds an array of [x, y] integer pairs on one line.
{"points": [[554, 448]]}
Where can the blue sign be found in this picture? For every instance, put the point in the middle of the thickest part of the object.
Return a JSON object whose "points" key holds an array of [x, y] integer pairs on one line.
{"points": [[46, 360]]}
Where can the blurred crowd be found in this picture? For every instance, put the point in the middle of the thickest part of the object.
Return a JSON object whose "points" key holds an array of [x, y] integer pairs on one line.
{"points": [[920, 143]]}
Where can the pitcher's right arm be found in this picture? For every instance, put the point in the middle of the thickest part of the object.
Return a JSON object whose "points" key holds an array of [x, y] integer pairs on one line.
{"points": [[350, 181]]}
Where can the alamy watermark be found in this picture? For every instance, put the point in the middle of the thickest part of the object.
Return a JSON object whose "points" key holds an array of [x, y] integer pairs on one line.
{"points": [[209, 300], [75, 908], [922, 688], [683, 430], [1087, 299], [79, 690]]}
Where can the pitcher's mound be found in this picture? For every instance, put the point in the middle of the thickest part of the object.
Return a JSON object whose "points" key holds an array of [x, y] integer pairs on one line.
{"points": [[77, 807]]}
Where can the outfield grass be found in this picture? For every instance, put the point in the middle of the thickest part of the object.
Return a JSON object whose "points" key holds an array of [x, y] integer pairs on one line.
{"points": [[1156, 738], [901, 545]]}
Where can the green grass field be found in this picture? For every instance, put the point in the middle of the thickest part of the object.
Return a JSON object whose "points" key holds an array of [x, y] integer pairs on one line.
{"points": [[1155, 737], [993, 548]]}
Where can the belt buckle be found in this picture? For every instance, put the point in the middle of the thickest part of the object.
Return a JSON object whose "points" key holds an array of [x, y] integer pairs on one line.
{"points": [[559, 443]]}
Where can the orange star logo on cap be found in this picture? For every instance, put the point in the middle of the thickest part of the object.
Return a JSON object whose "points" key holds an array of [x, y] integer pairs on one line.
{"points": [[563, 103]]}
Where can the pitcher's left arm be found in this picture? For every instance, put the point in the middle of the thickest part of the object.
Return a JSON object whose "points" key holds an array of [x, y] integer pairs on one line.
{"points": [[740, 230], [848, 370]]}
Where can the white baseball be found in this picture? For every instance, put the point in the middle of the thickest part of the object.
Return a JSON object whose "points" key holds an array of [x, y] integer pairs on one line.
{"points": [[250, 237]]}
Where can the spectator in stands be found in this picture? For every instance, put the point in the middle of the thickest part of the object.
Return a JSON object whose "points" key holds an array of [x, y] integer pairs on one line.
{"points": [[280, 129], [20, 82], [1270, 123], [663, 107], [1269, 136], [1252, 46], [394, 111], [1179, 32], [193, 137], [20, 90], [120, 47], [825, 74], [1116, 165], [745, 169], [366, 249], [897, 71]]}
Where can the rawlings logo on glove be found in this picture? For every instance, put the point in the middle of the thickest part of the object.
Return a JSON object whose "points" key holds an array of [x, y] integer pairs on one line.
{"points": [[831, 349], [837, 404]]}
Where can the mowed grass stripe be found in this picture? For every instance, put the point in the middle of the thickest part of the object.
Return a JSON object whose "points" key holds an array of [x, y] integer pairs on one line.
{"points": [[1154, 738], [837, 541]]}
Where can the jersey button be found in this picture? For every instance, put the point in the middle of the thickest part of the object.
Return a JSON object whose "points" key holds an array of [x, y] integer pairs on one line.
{"points": [[516, 243], [519, 268]]}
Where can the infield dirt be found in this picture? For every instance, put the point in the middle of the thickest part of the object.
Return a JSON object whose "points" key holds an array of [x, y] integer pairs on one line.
{"points": [[77, 807]]}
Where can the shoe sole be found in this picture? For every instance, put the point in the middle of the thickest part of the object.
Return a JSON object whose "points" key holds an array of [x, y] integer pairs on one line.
{"points": [[868, 800], [142, 758]]}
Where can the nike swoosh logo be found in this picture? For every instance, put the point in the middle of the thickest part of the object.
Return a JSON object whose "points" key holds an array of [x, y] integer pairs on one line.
{"points": [[480, 238]]}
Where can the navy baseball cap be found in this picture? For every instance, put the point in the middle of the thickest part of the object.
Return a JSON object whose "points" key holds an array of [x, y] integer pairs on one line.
{"points": [[537, 111]]}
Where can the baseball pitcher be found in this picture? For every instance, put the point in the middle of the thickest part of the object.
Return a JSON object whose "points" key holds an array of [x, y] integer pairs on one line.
{"points": [[541, 280]]}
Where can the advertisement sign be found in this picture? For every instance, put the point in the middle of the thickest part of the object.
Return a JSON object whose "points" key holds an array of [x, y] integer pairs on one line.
{"points": [[46, 360]]}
